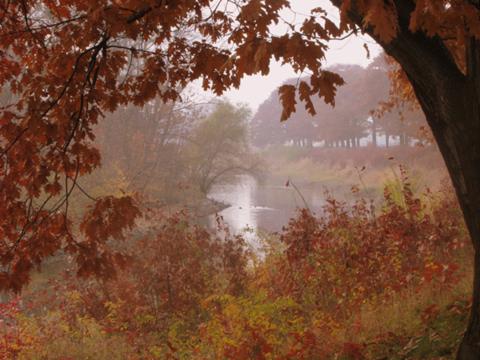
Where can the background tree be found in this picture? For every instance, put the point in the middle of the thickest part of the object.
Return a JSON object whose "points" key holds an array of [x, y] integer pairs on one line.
{"points": [[218, 147], [345, 125], [143, 146], [172, 153], [265, 125], [352, 119]]}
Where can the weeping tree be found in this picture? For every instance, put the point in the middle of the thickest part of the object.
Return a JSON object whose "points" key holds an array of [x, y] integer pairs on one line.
{"points": [[218, 148]]}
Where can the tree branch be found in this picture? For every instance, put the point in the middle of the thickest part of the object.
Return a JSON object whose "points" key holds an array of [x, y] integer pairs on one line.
{"points": [[426, 60]]}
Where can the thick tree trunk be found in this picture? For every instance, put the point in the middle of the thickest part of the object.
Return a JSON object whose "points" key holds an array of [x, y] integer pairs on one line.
{"points": [[470, 196], [466, 177], [454, 118], [470, 202], [470, 346], [450, 99], [451, 105]]}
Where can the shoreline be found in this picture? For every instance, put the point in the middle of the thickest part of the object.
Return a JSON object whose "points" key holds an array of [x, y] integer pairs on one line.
{"points": [[207, 207]]}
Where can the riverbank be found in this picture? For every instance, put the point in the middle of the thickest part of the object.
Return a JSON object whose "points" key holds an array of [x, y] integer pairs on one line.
{"points": [[206, 207], [367, 168], [295, 178]]}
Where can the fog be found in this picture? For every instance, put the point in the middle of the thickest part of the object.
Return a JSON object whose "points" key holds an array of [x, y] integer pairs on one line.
{"points": [[215, 157], [255, 89]]}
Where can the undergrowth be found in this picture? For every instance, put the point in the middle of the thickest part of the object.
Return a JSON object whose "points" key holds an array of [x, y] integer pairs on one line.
{"points": [[359, 281]]}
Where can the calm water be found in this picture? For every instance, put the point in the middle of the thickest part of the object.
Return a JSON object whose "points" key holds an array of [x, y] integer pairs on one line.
{"points": [[262, 206]]}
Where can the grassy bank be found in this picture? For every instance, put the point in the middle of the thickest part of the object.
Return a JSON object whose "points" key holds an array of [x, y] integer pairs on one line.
{"points": [[367, 167]]}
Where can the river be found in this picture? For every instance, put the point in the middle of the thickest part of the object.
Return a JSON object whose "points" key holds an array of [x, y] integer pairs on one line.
{"points": [[258, 206]]}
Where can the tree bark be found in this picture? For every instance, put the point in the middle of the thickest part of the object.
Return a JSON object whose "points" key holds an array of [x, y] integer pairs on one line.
{"points": [[403, 139], [454, 119], [374, 132], [453, 116]]}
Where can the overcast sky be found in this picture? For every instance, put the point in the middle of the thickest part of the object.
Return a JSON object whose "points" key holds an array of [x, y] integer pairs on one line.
{"points": [[256, 89]]}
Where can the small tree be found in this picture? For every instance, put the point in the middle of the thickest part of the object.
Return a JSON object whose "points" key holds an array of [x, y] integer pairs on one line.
{"points": [[218, 147]]}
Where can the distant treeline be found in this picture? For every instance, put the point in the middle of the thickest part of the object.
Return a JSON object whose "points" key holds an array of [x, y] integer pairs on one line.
{"points": [[350, 124]]}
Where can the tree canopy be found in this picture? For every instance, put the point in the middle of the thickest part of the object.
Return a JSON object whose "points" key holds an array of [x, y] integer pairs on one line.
{"points": [[363, 110]]}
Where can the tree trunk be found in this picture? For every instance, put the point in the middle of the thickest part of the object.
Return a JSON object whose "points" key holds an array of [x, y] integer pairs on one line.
{"points": [[452, 107], [450, 100], [454, 118], [470, 346], [374, 132]]}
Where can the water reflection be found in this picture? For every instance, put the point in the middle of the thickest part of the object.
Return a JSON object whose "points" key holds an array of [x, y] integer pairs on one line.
{"points": [[263, 206]]}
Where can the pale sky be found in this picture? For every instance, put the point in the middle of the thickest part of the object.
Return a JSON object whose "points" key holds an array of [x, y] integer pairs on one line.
{"points": [[256, 89]]}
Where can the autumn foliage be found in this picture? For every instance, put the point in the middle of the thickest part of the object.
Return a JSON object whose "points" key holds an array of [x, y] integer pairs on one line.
{"points": [[352, 254], [65, 64], [189, 294]]}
